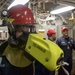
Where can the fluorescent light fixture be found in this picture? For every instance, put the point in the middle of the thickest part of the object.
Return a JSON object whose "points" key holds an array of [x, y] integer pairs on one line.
{"points": [[18, 2], [64, 9]]}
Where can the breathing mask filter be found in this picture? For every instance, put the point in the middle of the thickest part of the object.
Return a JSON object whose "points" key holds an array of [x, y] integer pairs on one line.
{"points": [[20, 41]]}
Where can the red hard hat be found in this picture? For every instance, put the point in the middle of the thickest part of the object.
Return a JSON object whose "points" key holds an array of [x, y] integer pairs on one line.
{"points": [[21, 14], [50, 32], [64, 28]]}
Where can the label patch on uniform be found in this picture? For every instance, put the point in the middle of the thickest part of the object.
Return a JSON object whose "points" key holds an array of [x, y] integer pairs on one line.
{"points": [[62, 42]]}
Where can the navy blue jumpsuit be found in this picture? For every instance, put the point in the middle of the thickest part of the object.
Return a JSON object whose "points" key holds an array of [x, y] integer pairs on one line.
{"points": [[67, 45]]}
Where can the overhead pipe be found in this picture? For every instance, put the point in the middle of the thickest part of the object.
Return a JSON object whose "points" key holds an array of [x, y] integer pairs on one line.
{"points": [[66, 3]]}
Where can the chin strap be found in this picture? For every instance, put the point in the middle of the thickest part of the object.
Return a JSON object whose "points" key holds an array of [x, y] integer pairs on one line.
{"points": [[12, 42]]}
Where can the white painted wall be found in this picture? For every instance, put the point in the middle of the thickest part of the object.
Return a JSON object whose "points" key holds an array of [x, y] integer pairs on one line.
{"points": [[48, 25]]}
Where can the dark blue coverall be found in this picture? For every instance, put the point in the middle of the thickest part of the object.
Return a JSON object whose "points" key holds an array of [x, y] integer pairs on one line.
{"points": [[67, 45]]}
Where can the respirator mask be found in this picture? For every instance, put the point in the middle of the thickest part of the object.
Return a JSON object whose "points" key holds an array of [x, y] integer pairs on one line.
{"points": [[19, 36]]}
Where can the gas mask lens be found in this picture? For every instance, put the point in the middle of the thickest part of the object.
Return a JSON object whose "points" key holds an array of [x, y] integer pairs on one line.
{"points": [[28, 29]]}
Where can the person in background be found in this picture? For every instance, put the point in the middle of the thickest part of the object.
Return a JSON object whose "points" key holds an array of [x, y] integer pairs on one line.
{"points": [[40, 70], [51, 35], [67, 44]]}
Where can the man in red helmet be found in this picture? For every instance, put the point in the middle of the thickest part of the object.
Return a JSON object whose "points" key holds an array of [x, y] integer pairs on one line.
{"points": [[13, 59], [51, 35], [67, 44]]}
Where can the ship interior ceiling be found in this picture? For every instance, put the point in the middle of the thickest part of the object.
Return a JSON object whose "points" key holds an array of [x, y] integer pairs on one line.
{"points": [[43, 8], [43, 5]]}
